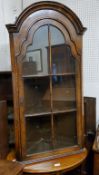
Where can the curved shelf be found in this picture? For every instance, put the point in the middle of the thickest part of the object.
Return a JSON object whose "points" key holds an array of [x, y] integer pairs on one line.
{"points": [[61, 164]]}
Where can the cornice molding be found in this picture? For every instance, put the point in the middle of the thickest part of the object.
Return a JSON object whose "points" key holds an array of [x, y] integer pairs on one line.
{"points": [[43, 5]]}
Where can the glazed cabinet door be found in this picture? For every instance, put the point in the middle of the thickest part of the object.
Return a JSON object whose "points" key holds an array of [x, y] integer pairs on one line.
{"points": [[48, 81]]}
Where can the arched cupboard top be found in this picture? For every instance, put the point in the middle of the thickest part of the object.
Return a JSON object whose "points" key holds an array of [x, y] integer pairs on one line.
{"points": [[39, 12]]}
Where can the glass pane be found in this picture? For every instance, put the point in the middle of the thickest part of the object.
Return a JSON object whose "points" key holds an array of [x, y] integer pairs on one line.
{"points": [[38, 134], [36, 61], [49, 99], [34, 93], [62, 59], [63, 93], [65, 130]]}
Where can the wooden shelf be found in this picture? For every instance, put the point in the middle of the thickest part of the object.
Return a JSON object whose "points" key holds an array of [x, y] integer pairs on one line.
{"points": [[37, 114], [34, 76], [41, 75], [49, 113], [61, 164]]}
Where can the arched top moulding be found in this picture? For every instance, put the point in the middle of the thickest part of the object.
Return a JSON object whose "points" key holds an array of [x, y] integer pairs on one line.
{"points": [[47, 5]]}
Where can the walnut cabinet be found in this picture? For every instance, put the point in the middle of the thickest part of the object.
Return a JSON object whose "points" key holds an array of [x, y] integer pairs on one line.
{"points": [[46, 55]]}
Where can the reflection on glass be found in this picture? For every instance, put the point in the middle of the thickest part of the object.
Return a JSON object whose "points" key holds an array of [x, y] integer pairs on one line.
{"points": [[36, 61], [62, 59], [38, 132], [35, 101], [65, 130], [63, 93]]}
